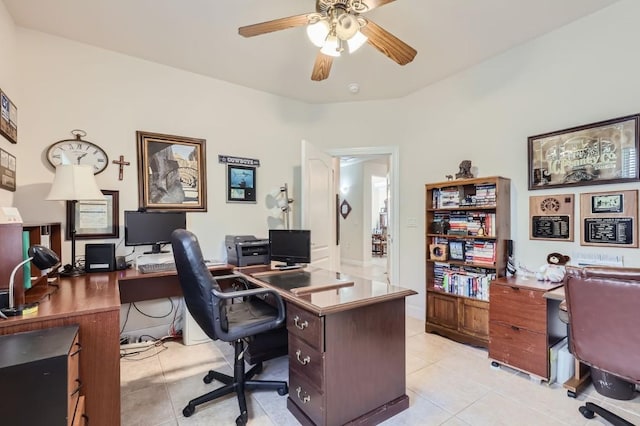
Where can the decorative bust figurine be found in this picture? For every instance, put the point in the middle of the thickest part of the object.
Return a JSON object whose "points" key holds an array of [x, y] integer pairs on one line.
{"points": [[465, 170]]}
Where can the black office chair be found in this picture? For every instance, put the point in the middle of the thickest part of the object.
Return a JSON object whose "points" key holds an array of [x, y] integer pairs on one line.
{"points": [[233, 316]]}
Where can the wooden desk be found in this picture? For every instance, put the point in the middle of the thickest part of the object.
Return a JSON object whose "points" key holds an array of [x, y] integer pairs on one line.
{"points": [[92, 302], [346, 352]]}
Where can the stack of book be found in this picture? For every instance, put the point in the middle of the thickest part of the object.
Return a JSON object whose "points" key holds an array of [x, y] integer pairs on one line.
{"points": [[468, 283], [446, 198], [480, 252], [485, 195]]}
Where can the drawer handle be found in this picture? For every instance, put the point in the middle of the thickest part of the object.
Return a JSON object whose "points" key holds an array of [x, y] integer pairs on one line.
{"points": [[78, 388], [300, 325], [516, 288], [303, 361], [513, 327], [303, 399], [77, 351]]}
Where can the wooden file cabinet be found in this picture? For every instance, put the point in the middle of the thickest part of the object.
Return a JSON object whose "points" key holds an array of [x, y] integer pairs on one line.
{"points": [[347, 366], [523, 324], [40, 378]]}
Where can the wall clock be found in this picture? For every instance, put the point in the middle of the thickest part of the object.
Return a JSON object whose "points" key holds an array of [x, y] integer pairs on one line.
{"points": [[78, 151]]}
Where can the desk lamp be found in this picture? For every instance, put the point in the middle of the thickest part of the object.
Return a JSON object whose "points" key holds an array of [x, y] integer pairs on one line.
{"points": [[44, 258], [74, 183]]}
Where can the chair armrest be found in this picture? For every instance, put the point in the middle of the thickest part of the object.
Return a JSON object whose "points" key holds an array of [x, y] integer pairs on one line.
{"points": [[251, 292]]}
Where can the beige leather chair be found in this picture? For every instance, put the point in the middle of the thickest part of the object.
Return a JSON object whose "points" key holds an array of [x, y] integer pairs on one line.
{"points": [[603, 305]]}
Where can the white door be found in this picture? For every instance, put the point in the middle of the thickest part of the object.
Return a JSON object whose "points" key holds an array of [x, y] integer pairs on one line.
{"points": [[318, 205]]}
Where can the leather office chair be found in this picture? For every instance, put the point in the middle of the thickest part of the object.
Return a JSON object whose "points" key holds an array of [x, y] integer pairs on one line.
{"points": [[602, 303], [233, 316]]}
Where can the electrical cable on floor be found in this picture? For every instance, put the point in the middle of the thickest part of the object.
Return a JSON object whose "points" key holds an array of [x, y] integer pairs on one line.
{"points": [[152, 316]]}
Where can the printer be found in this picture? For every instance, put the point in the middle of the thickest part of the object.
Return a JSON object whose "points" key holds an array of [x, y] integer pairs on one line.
{"points": [[247, 250]]}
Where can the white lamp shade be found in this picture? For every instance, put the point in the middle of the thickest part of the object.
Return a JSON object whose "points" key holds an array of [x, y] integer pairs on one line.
{"points": [[318, 32], [331, 46], [347, 26], [74, 182], [356, 41]]}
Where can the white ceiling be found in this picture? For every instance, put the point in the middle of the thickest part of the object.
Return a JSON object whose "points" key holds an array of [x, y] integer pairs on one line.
{"points": [[201, 36]]}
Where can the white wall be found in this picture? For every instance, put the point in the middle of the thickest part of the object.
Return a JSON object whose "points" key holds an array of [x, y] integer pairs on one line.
{"points": [[582, 73], [9, 84]]}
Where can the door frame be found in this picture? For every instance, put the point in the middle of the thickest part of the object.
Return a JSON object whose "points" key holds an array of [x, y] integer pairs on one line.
{"points": [[393, 242]]}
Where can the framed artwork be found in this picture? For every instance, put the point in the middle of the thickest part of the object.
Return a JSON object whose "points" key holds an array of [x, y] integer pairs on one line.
{"points": [[598, 153], [7, 171], [241, 184], [95, 218], [8, 118], [171, 172], [609, 219], [551, 217]]}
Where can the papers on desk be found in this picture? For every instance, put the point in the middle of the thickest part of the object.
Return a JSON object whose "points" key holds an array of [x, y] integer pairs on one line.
{"points": [[595, 259]]}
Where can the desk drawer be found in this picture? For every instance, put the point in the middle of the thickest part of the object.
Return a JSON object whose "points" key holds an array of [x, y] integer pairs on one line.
{"points": [[306, 326], [307, 398], [73, 377], [306, 361], [519, 307], [519, 348]]}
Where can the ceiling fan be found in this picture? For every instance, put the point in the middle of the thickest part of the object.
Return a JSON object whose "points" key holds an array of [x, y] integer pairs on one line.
{"points": [[334, 25]]}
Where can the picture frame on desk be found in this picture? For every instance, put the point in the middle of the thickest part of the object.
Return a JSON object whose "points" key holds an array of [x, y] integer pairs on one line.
{"points": [[171, 172], [599, 153], [97, 218]]}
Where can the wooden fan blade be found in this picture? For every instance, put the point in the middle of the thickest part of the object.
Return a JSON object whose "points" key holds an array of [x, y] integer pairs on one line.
{"points": [[322, 67], [275, 25], [372, 4], [388, 44]]}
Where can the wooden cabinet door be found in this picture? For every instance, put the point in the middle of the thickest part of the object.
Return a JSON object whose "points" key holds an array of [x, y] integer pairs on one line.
{"points": [[474, 317], [442, 310]]}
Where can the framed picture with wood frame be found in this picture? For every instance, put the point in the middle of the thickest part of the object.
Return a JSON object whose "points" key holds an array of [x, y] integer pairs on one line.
{"points": [[609, 219], [96, 218], [171, 172], [592, 154]]}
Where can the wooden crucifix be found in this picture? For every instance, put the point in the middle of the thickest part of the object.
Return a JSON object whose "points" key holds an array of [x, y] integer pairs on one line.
{"points": [[121, 163]]}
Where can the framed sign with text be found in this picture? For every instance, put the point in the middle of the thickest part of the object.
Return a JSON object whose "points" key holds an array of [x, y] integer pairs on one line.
{"points": [[597, 153], [551, 217], [609, 219]]}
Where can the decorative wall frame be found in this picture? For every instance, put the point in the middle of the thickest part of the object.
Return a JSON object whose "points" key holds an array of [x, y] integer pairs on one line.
{"points": [[7, 171], [241, 184], [609, 218], [345, 209], [97, 218], [597, 153], [171, 172], [8, 118], [551, 217]]}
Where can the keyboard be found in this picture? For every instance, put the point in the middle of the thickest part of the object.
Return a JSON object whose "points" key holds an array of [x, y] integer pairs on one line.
{"points": [[149, 268]]}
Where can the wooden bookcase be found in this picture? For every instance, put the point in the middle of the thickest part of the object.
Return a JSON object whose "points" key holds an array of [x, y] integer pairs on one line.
{"points": [[468, 227]]}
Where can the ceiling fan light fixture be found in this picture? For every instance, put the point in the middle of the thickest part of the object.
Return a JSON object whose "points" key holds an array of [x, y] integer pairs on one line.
{"points": [[346, 26], [332, 46], [318, 32], [356, 42]]}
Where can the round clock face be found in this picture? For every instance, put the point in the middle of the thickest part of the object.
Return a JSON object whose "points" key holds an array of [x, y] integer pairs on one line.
{"points": [[78, 152]]}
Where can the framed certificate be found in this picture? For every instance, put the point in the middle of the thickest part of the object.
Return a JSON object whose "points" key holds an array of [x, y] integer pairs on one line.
{"points": [[96, 218]]}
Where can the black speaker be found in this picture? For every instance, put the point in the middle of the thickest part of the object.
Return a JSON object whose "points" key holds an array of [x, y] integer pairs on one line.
{"points": [[100, 257]]}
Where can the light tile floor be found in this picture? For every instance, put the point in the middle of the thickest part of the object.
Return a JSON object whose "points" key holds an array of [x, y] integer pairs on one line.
{"points": [[448, 384]]}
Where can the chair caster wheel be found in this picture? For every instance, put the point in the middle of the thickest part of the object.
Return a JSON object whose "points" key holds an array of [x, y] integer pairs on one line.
{"points": [[283, 390], [571, 394], [588, 414], [188, 410], [208, 378], [242, 419]]}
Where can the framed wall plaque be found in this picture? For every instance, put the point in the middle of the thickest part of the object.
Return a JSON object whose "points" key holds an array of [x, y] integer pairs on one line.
{"points": [[7, 171], [551, 217], [609, 219], [8, 118]]}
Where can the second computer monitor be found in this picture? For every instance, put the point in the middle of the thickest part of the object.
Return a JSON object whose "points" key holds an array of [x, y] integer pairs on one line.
{"points": [[151, 228], [292, 246]]}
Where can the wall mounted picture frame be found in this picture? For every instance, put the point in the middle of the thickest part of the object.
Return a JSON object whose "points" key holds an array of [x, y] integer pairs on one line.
{"points": [[598, 153], [171, 172], [241, 184], [609, 219], [551, 217], [8, 118], [7, 171], [96, 218]]}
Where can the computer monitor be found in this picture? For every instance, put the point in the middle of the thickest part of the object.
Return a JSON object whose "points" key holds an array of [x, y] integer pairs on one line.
{"points": [[143, 228], [292, 246]]}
